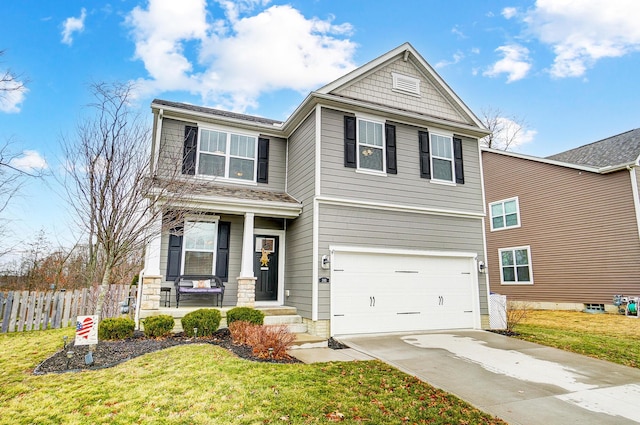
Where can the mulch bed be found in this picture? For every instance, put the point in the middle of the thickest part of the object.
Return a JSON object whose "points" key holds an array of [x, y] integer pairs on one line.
{"points": [[111, 353]]}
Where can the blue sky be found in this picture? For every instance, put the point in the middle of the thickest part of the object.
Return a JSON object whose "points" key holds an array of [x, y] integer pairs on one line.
{"points": [[568, 69]]}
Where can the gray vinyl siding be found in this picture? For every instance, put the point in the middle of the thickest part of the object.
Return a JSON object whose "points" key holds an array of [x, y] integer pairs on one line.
{"points": [[405, 188], [342, 225], [171, 153], [299, 243], [581, 228]]}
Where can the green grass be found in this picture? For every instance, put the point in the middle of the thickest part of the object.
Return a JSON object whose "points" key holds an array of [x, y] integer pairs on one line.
{"points": [[204, 384], [611, 337]]}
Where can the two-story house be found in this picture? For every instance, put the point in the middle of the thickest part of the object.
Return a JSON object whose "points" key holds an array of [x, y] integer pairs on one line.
{"points": [[563, 232], [367, 202]]}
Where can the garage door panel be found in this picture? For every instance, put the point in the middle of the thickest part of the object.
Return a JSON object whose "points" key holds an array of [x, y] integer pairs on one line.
{"points": [[393, 293]]}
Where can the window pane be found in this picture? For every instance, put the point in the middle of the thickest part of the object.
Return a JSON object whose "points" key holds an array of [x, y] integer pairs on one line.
{"points": [[441, 146], [498, 222], [512, 220], [241, 169], [508, 274], [198, 262], [507, 258], [243, 146], [522, 257], [370, 158], [496, 209], [442, 169], [510, 207], [200, 235], [211, 165], [370, 133], [523, 274], [213, 141]]}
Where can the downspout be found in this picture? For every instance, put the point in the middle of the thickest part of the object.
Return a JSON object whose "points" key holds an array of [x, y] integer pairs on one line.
{"points": [[634, 191], [136, 316]]}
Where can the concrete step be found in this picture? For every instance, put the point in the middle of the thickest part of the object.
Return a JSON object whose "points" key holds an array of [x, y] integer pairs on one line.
{"points": [[305, 340]]}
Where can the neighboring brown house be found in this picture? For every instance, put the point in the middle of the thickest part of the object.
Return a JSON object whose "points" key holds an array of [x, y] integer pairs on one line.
{"points": [[564, 231]]}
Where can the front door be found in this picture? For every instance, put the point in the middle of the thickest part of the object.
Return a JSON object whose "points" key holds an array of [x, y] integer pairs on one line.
{"points": [[265, 267]]}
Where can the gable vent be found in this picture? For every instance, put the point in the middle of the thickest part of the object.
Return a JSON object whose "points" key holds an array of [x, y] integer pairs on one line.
{"points": [[406, 84]]}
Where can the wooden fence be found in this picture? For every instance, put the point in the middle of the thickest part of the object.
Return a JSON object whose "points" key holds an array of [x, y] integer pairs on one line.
{"points": [[36, 310]]}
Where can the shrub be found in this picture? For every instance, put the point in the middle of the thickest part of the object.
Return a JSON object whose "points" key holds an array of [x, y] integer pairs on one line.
{"points": [[116, 328], [158, 326], [240, 331], [270, 342], [207, 320], [245, 314]]}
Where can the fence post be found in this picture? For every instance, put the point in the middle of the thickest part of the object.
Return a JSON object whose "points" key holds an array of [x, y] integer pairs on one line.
{"points": [[7, 312]]}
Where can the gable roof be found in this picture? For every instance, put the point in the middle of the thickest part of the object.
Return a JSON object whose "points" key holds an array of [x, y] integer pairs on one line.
{"points": [[621, 149], [407, 52]]}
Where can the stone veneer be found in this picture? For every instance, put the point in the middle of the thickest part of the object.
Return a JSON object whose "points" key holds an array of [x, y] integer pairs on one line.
{"points": [[246, 292], [151, 292]]}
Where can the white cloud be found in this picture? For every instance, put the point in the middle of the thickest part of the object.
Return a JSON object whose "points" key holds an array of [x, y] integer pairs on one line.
{"points": [[509, 12], [29, 162], [581, 33], [72, 25], [240, 55], [12, 94], [457, 57], [515, 63]]}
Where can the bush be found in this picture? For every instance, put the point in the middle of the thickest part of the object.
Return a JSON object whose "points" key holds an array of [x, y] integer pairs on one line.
{"points": [[158, 326], [207, 320], [240, 331], [270, 342], [245, 314], [116, 328]]}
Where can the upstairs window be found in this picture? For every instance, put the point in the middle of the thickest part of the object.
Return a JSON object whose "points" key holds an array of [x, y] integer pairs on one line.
{"points": [[227, 155], [370, 145], [442, 157], [515, 265], [505, 214]]}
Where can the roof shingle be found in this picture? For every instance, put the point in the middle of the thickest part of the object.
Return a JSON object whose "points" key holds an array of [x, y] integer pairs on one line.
{"points": [[616, 150]]}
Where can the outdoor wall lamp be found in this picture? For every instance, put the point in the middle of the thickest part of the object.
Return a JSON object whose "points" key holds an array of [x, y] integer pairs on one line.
{"points": [[326, 262], [482, 268]]}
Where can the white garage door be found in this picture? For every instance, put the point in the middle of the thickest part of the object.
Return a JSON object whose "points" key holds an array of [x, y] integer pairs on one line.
{"points": [[395, 292]]}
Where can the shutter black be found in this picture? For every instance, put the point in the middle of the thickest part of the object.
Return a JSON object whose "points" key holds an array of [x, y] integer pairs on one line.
{"points": [[425, 160], [350, 142], [392, 163], [190, 150], [222, 257], [174, 255], [457, 155], [263, 160]]}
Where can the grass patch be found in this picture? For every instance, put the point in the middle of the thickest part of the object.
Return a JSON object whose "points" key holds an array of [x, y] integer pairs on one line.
{"points": [[611, 337], [202, 384]]}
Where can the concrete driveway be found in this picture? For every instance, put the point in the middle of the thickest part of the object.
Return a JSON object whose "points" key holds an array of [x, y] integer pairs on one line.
{"points": [[520, 382]]}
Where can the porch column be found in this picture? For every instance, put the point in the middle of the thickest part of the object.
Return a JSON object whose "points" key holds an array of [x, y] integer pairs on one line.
{"points": [[152, 250], [247, 280]]}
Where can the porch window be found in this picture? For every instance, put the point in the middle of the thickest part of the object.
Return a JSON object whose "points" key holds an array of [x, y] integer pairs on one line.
{"points": [[199, 247], [228, 155], [515, 265]]}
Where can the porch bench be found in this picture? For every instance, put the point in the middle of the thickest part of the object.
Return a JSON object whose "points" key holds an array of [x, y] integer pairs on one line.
{"points": [[198, 285]]}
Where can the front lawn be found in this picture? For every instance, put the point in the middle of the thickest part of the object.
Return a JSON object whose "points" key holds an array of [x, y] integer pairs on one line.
{"points": [[204, 384], [611, 337]]}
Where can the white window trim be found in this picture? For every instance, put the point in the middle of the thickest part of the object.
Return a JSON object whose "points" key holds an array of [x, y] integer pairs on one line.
{"points": [[227, 155], [361, 117], [505, 227], [451, 182], [398, 87], [528, 248], [208, 219]]}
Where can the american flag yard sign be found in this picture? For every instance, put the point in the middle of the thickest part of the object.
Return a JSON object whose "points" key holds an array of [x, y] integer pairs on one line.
{"points": [[86, 330]]}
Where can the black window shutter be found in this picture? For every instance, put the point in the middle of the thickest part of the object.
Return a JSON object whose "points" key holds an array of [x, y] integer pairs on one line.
{"points": [[350, 142], [390, 135], [457, 155], [263, 160], [222, 257], [174, 255], [425, 160], [190, 149]]}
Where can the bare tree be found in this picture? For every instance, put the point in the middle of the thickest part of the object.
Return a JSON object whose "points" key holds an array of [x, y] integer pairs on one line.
{"points": [[116, 200], [506, 131], [10, 81]]}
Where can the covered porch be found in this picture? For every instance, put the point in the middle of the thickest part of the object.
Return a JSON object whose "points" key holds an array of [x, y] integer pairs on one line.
{"points": [[236, 234]]}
